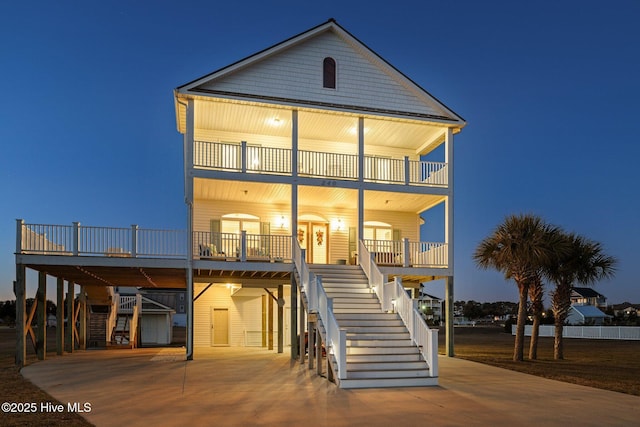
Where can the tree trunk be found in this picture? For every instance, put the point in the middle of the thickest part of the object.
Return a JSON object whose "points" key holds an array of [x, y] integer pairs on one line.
{"points": [[560, 304], [535, 294], [558, 345], [518, 351], [535, 332]]}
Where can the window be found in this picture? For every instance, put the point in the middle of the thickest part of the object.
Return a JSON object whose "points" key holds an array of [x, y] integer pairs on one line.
{"points": [[329, 73]]}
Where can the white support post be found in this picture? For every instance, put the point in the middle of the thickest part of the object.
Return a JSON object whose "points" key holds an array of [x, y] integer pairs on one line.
{"points": [[76, 238], [134, 240], [243, 245], [294, 144], [243, 156], [406, 255], [361, 149], [189, 140], [407, 170], [19, 228]]}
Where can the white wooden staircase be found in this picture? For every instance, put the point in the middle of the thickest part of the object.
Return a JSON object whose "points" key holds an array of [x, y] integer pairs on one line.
{"points": [[380, 351]]}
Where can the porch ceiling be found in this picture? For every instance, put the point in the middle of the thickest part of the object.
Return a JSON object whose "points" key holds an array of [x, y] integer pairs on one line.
{"points": [[116, 275], [250, 119], [280, 194]]}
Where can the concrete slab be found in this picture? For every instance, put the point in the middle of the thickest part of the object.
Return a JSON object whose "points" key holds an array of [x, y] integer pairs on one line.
{"points": [[239, 386]]}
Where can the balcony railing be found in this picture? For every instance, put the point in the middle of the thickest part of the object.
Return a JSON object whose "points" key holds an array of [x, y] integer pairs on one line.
{"points": [[249, 158], [134, 242], [407, 254]]}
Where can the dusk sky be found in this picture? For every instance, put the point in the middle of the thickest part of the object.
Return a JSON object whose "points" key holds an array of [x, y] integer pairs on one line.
{"points": [[550, 91]]}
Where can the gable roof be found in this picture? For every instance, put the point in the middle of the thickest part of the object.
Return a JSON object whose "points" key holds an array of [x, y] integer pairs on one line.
{"points": [[278, 75], [587, 293], [588, 311]]}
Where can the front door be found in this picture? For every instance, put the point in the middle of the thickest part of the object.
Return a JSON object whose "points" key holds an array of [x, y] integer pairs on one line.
{"points": [[219, 326], [314, 237]]}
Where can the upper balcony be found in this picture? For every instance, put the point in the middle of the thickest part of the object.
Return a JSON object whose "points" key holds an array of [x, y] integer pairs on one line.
{"points": [[247, 158]]}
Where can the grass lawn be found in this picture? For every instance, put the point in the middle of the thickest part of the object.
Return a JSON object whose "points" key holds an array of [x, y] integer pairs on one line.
{"points": [[607, 364]]}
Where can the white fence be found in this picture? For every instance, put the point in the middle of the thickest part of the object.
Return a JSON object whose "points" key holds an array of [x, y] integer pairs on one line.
{"points": [[589, 332]]}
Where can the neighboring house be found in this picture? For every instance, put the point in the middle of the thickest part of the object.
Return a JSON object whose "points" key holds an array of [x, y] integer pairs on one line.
{"points": [[625, 309], [310, 162], [586, 315], [431, 307], [588, 296]]}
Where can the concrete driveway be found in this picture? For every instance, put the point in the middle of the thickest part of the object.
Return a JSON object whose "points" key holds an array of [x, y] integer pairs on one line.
{"points": [[239, 387]]}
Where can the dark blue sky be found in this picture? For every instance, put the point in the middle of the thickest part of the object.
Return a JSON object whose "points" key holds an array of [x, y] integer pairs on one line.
{"points": [[550, 92]]}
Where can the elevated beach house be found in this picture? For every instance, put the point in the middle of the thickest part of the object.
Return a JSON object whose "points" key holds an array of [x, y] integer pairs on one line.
{"points": [[307, 168]]}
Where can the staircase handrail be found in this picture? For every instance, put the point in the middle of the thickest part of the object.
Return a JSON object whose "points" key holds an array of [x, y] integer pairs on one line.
{"points": [[113, 314], [127, 303], [374, 275], [424, 337], [317, 301], [336, 337]]}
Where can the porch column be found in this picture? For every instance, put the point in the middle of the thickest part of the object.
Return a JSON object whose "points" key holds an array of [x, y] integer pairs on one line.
{"points": [[448, 235], [82, 329], [294, 143], [301, 336], [280, 318], [69, 341], [264, 320], [361, 180], [294, 316], [188, 197], [19, 289], [60, 317], [270, 323], [448, 296], [41, 316], [311, 338]]}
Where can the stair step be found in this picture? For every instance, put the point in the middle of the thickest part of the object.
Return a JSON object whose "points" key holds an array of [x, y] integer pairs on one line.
{"points": [[356, 302], [355, 310], [379, 358], [369, 323], [375, 329], [378, 336], [359, 296], [388, 382], [392, 373], [347, 290], [381, 350], [385, 366], [366, 317], [378, 343]]}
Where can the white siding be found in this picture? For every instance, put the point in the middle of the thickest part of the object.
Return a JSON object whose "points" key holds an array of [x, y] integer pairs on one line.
{"points": [[297, 73], [245, 314]]}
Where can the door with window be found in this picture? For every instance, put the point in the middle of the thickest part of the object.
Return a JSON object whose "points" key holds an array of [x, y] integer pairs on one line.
{"points": [[314, 237]]}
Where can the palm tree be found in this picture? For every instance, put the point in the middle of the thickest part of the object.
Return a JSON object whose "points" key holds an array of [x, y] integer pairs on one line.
{"points": [[519, 248], [584, 263], [536, 292]]}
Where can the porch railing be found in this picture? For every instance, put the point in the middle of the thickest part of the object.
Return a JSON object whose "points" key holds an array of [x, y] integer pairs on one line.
{"points": [[408, 254], [79, 240], [242, 247], [244, 157]]}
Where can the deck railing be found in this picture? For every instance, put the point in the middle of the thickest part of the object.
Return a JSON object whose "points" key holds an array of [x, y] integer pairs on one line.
{"points": [[408, 254], [134, 242], [244, 157], [242, 247]]}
